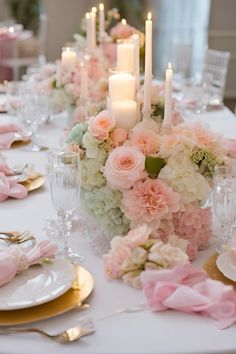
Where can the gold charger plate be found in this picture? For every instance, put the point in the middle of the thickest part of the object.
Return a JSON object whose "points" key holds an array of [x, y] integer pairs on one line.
{"points": [[33, 183], [73, 298], [212, 270]]}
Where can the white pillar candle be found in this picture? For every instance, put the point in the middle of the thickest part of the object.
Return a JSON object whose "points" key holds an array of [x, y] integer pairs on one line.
{"points": [[123, 21], [93, 27], [136, 41], [168, 96], [125, 113], [68, 57], [121, 87], [101, 22], [83, 81], [88, 32], [125, 56], [148, 68]]}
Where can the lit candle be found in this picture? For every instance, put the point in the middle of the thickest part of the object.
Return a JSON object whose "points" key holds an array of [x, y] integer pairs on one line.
{"points": [[121, 87], [136, 41], [88, 32], [168, 97], [101, 22], [11, 29], [125, 113], [123, 21], [93, 27], [83, 81], [125, 56], [68, 57], [148, 68]]}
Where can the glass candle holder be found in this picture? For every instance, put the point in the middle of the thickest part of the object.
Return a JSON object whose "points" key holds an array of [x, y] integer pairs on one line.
{"points": [[125, 55], [121, 85]]}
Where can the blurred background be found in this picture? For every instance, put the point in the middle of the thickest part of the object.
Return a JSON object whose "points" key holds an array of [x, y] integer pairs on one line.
{"points": [[183, 30]]}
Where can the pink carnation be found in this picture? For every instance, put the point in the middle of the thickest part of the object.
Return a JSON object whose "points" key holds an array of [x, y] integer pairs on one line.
{"points": [[147, 141], [118, 136], [150, 201], [101, 125], [124, 166], [194, 225]]}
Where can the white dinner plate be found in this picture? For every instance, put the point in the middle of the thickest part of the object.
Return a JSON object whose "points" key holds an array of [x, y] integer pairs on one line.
{"points": [[227, 266], [37, 285]]}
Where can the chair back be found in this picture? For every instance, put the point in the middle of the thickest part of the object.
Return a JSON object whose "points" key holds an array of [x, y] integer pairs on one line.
{"points": [[215, 71]]}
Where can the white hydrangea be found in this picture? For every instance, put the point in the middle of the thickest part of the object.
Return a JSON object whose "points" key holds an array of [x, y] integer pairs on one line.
{"points": [[183, 176], [91, 174]]}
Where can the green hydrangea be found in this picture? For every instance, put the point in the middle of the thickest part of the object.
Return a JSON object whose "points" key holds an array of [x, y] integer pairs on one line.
{"points": [[76, 134], [104, 204], [91, 174], [206, 161]]}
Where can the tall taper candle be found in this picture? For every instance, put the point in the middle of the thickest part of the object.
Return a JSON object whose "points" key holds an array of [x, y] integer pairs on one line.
{"points": [[148, 68], [101, 22], [83, 81], [168, 97], [88, 32], [135, 40], [93, 27]]}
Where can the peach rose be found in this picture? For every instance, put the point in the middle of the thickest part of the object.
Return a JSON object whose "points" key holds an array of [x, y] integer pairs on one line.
{"points": [[124, 166], [101, 125]]}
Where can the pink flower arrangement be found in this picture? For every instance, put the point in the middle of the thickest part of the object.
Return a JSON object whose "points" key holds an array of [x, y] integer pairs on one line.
{"points": [[124, 166], [131, 255], [193, 225], [146, 141], [119, 136], [150, 201], [101, 125]]}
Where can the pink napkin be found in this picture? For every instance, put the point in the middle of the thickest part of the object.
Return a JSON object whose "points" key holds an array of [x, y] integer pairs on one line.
{"points": [[14, 260], [230, 145], [7, 135], [187, 289], [9, 187]]}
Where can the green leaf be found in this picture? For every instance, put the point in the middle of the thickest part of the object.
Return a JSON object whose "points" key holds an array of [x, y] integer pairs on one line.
{"points": [[153, 165]]}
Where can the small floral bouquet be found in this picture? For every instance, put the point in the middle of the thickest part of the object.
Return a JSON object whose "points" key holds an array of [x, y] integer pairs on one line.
{"points": [[148, 176]]}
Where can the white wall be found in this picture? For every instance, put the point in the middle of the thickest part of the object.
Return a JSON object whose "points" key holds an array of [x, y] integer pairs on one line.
{"points": [[222, 36]]}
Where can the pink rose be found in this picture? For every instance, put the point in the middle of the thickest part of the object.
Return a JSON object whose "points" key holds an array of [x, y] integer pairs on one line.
{"points": [[124, 166], [122, 31], [150, 201], [119, 135], [101, 125]]}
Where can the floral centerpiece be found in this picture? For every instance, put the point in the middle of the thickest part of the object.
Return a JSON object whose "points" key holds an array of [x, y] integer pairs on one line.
{"points": [[150, 181]]}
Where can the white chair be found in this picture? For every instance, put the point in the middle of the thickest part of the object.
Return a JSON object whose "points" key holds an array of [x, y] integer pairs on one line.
{"points": [[214, 72]]}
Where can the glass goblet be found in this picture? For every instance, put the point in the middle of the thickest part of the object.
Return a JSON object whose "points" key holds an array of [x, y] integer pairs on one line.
{"points": [[65, 184], [224, 203]]}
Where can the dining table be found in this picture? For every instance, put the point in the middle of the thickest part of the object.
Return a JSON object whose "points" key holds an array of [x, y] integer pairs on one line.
{"points": [[167, 332]]}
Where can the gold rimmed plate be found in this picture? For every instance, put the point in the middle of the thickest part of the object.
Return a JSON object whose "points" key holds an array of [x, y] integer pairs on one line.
{"points": [[73, 298], [213, 271], [33, 183]]}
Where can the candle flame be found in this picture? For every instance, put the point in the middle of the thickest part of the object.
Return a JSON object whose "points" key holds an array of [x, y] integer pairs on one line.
{"points": [[81, 64], [101, 7], [11, 29], [123, 21], [149, 16], [87, 15], [67, 49], [94, 9], [169, 66]]}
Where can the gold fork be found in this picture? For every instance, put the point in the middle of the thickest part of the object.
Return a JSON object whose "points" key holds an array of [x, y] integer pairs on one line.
{"points": [[85, 328], [17, 237]]}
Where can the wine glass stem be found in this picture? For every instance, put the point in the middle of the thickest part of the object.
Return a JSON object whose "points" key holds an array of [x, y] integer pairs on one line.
{"points": [[65, 227]]}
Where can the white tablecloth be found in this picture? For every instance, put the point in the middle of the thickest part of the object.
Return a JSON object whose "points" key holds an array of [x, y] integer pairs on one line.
{"points": [[143, 332]]}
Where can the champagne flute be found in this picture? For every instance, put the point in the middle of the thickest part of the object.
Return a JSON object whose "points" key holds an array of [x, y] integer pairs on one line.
{"points": [[65, 184]]}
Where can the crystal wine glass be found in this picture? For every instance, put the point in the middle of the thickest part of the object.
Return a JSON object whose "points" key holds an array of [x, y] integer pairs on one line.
{"points": [[65, 184], [224, 203]]}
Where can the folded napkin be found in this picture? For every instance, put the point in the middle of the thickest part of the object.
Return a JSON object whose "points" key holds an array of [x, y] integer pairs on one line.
{"points": [[187, 289], [14, 260], [7, 134]]}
